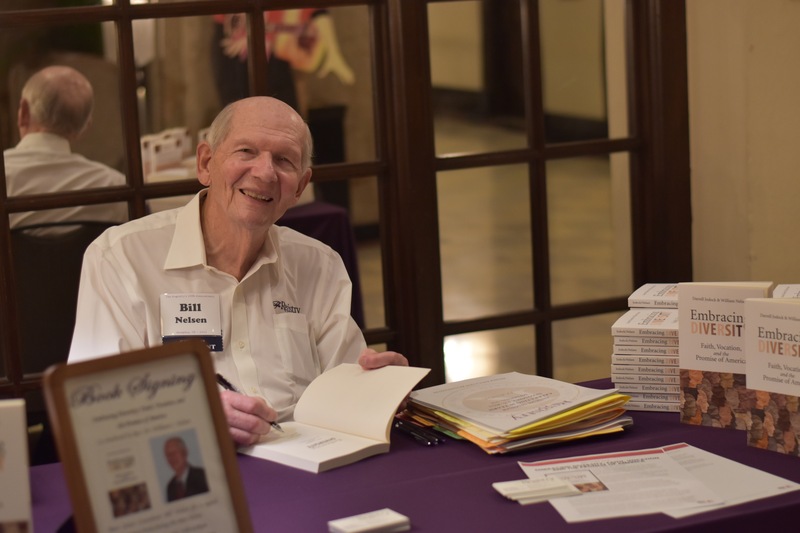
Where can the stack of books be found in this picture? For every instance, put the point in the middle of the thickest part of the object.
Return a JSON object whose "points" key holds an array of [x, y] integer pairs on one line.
{"points": [[513, 411], [645, 362]]}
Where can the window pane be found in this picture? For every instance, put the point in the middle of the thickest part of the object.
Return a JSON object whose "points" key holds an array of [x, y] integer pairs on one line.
{"points": [[616, 68], [573, 70], [582, 348], [485, 239], [82, 48], [589, 227], [466, 87], [484, 353], [332, 68], [370, 260]]}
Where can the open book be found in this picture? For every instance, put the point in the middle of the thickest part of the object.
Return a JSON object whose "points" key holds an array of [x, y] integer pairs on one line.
{"points": [[344, 416]]}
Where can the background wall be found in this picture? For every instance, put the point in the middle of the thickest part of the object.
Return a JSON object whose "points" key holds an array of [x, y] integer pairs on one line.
{"points": [[744, 82]]}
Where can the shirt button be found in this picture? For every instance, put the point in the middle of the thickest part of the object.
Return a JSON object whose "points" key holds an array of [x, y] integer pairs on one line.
{"points": [[241, 345]]}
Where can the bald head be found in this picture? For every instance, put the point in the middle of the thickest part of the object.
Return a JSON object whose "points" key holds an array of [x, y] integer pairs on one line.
{"points": [[221, 126], [57, 100]]}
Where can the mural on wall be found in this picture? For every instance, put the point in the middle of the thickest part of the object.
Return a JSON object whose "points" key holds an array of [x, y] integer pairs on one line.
{"points": [[302, 40]]}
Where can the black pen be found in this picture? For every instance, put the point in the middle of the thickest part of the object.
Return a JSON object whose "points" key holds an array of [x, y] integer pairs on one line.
{"points": [[227, 385], [421, 429], [422, 436]]}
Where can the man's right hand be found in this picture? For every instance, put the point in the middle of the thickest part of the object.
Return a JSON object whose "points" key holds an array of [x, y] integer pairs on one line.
{"points": [[248, 417]]}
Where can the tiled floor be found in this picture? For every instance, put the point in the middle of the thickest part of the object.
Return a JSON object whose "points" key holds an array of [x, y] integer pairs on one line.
{"points": [[486, 256]]}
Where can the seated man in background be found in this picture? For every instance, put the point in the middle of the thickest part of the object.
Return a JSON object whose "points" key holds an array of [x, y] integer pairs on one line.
{"points": [[283, 299], [55, 109]]}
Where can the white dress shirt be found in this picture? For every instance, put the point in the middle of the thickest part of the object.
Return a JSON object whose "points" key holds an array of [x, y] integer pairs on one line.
{"points": [[43, 163], [287, 321]]}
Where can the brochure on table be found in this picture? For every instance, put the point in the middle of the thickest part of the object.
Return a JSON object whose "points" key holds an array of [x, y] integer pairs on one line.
{"points": [[118, 421], [678, 480]]}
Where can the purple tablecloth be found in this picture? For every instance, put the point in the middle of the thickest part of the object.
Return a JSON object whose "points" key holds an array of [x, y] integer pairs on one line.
{"points": [[448, 488]]}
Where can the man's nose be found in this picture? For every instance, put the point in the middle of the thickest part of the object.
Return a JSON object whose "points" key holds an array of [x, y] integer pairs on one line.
{"points": [[264, 166]]}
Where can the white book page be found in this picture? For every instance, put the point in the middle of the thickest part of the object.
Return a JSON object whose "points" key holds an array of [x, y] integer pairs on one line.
{"points": [[356, 401], [309, 447]]}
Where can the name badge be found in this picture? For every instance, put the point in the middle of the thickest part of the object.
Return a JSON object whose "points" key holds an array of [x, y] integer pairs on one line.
{"points": [[186, 316]]}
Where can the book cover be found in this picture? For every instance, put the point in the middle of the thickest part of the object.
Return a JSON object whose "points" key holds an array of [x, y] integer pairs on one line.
{"points": [[343, 416], [15, 494], [647, 323], [658, 295], [712, 356], [773, 372]]}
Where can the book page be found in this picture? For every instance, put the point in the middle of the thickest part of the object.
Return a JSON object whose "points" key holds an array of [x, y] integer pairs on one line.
{"points": [[314, 448], [360, 402]]}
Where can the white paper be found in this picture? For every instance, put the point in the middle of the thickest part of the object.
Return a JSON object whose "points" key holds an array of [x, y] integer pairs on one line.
{"points": [[734, 482], [626, 487], [623, 484]]}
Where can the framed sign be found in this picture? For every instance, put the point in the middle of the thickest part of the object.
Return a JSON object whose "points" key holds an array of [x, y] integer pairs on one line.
{"points": [[144, 442]]}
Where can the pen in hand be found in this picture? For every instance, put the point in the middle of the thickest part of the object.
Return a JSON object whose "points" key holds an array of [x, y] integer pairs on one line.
{"points": [[227, 385]]}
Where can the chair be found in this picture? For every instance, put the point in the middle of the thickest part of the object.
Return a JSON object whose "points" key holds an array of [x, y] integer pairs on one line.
{"points": [[47, 271]]}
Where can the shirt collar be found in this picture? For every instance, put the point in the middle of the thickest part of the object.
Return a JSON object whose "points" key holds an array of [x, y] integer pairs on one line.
{"points": [[44, 141], [188, 247]]}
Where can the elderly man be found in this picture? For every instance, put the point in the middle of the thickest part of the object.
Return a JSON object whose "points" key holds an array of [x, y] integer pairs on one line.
{"points": [[276, 302], [56, 109]]}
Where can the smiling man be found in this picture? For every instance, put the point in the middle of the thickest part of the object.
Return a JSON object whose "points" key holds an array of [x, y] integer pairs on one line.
{"points": [[274, 305]]}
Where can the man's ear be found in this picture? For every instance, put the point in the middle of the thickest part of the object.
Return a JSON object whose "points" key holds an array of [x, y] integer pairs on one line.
{"points": [[203, 163], [23, 117], [302, 184]]}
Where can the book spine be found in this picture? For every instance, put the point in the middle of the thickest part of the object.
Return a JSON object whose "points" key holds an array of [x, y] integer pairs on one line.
{"points": [[633, 331], [663, 407], [645, 369], [622, 349], [655, 360], [645, 378], [654, 303], [627, 340], [647, 388], [648, 397]]}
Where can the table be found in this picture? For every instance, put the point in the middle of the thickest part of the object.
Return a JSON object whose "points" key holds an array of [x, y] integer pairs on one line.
{"points": [[448, 487]]}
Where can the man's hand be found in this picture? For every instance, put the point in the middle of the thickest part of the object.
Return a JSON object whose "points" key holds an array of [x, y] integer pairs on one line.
{"points": [[248, 417], [370, 359]]}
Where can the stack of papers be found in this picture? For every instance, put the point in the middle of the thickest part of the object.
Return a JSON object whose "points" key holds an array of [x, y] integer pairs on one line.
{"points": [[513, 411], [527, 491]]}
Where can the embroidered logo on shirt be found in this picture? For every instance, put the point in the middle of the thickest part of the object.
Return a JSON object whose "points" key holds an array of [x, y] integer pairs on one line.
{"points": [[283, 306]]}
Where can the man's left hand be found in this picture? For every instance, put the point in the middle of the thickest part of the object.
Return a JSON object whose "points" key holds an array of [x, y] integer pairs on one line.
{"points": [[370, 359]]}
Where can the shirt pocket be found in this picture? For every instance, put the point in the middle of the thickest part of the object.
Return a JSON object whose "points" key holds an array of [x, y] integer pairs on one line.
{"points": [[297, 348]]}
